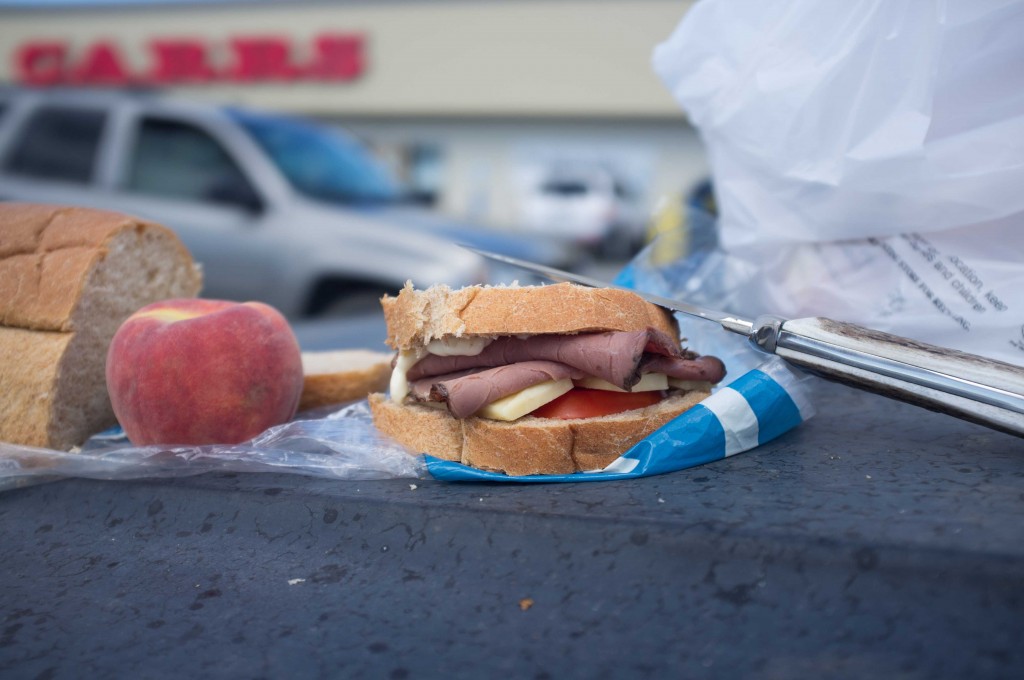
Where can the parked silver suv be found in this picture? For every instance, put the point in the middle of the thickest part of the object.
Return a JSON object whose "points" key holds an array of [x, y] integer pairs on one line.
{"points": [[275, 208]]}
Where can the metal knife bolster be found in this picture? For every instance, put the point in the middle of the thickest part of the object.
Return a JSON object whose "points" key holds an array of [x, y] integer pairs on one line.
{"points": [[974, 388]]}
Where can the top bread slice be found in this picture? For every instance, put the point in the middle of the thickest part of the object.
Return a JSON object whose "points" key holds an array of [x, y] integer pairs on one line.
{"points": [[414, 317], [68, 278]]}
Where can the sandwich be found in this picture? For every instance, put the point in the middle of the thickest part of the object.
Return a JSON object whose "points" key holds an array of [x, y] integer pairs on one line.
{"points": [[528, 380]]}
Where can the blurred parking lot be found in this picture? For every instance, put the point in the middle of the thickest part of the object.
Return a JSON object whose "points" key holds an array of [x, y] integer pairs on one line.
{"points": [[312, 157]]}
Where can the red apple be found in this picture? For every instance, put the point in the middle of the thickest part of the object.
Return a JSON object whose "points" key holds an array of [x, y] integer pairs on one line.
{"points": [[193, 371]]}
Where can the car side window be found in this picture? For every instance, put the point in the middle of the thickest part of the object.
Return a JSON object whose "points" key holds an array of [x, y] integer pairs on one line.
{"points": [[57, 143], [565, 187], [178, 160]]}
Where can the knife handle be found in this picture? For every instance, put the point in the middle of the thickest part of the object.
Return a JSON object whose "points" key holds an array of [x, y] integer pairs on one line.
{"points": [[970, 387]]}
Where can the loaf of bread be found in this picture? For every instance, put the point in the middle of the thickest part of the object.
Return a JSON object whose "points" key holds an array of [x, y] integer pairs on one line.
{"points": [[68, 278]]}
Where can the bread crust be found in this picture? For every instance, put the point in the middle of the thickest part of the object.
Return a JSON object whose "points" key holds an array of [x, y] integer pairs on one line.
{"points": [[528, 445], [416, 317], [343, 375], [68, 278]]}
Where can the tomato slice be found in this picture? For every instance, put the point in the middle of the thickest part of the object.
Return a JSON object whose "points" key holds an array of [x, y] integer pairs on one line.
{"points": [[581, 402]]}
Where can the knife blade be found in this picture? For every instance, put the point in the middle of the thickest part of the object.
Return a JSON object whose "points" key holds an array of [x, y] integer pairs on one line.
{"points": [[974, 388]]}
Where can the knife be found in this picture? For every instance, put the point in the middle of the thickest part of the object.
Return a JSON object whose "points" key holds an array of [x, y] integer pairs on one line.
{"points": [[974, 388]]}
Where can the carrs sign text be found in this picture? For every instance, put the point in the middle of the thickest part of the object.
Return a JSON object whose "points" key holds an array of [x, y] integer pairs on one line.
{"points": [[189, 61]]}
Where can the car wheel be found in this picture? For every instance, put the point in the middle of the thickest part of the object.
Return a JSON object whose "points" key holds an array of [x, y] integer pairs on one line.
{"points": [[616, 246]]}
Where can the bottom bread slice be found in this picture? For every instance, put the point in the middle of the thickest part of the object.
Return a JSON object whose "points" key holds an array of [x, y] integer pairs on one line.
{"points": [[529, 445]]}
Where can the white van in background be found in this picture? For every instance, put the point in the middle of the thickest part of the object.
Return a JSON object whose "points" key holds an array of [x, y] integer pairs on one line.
{"points": [[587, 205]]}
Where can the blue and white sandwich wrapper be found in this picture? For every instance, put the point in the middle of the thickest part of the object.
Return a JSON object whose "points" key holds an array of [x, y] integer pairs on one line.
{"points": [[755, 408]]}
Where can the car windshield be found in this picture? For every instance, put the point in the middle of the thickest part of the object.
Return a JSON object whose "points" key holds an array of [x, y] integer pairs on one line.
{"points": [[319, 162]]}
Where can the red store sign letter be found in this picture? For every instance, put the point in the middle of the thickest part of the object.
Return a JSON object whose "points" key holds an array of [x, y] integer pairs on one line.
{"points": [[266, 58], [41, 63], [180, 61], [338, 57], [101, 65]]}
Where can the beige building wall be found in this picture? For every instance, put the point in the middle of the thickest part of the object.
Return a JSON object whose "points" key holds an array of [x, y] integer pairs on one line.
{"points": [[512, 58]]}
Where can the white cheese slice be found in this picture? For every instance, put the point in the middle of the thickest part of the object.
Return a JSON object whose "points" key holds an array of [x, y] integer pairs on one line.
{"points": [[524, 401], [649, 382], [399, 386]]}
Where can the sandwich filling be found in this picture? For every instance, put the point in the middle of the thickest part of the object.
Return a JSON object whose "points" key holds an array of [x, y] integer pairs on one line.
{"points": [[537, 369]]}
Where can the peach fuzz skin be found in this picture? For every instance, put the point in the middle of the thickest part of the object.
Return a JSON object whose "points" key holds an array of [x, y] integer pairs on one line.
{"points": [[196, 371]]}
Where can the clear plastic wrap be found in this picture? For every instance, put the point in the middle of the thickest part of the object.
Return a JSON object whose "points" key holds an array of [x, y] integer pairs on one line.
{"points": [[337, 445]]}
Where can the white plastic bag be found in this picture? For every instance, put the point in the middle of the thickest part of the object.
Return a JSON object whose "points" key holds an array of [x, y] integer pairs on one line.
{"points": [[868, 162]]}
